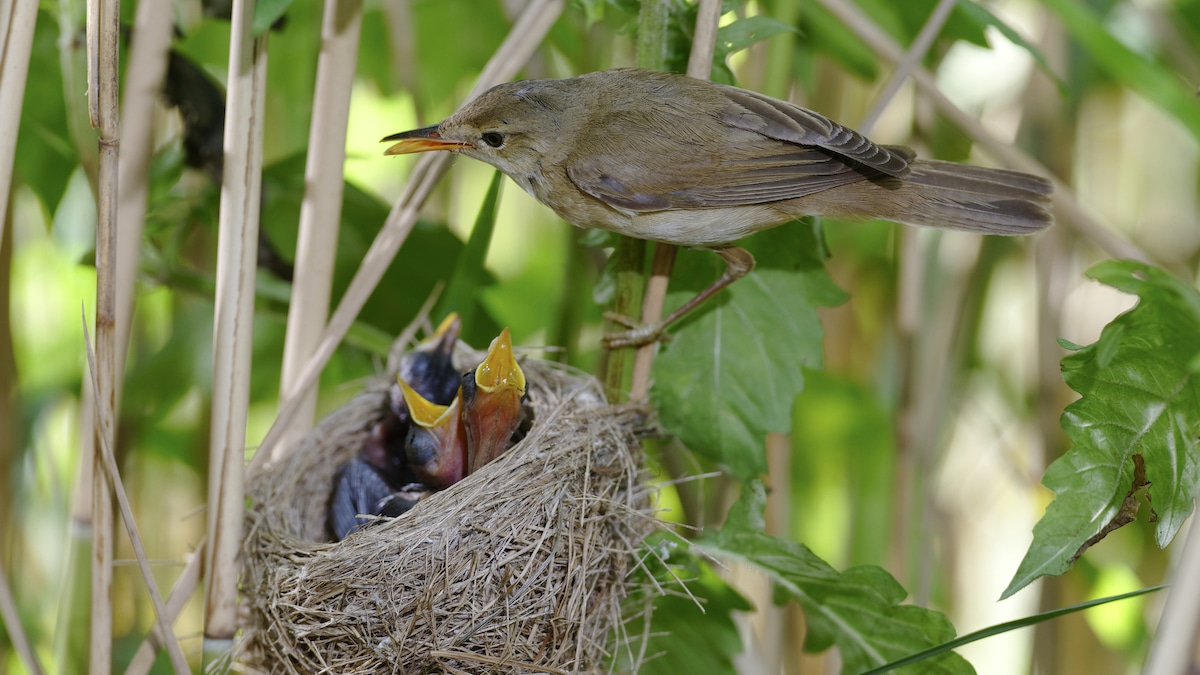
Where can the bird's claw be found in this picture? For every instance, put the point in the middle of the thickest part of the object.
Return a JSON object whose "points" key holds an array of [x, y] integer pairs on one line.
{"points": [[638, 334]]}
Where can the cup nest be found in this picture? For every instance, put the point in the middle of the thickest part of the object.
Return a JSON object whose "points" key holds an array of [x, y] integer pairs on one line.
{"points": [[521, 567]]}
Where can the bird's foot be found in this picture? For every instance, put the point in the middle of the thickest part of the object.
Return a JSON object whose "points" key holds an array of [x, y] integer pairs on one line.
{"points": [[638, 334]]}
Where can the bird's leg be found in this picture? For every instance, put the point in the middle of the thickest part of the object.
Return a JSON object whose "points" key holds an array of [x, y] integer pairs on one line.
{"points": [[738, 263]]}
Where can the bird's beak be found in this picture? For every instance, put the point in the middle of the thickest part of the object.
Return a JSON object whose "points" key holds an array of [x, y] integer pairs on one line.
{"points": [[445, 337], [437, 452], [499, 370], [492, 408], [420, 140]]}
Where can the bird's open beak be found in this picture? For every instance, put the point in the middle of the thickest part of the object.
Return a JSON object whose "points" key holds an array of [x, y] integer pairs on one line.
{"points": [[493, 412], [419, 140], [437, 453]]}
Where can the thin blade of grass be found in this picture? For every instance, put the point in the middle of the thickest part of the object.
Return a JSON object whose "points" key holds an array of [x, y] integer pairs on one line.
{"points": [[1006, 627], [468, 277]]}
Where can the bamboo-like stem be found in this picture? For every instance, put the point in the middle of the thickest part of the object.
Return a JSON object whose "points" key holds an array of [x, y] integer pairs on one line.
{"points": [[1177, 637], [526, 34], [916, 52], [185, 585], [12, 624], [104, 104], [1068, 208], [320, 212], [109, 462], [237, 253], [704, 42], [144, 76], [14, 67]]}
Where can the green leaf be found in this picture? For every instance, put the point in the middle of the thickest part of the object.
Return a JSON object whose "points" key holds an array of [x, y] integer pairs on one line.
{"points": [[266, 13], [857, 610], [1139, 397], [1007, 626], [731, 372], [462, 292], [686, 637], [984, 17], [740, 34], [1153, 80]]}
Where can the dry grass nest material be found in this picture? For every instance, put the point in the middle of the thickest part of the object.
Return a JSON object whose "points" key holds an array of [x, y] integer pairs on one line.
{"points": [[519, 568]]}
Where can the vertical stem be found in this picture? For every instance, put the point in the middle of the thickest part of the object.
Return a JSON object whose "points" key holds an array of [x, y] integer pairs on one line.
{"points": [[237, 252], [630, 255], [144, 77], [522, 40], [320, 212], [107, 116], [14, 67], [700, 59]]}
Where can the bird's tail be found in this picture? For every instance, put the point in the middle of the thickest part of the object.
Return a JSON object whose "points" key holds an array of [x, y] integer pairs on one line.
{"points": [[953, 196]]}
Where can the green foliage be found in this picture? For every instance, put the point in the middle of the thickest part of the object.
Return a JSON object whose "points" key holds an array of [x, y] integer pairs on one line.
{"points": [[1136, 71], [688, 633], [1140, 397], [734, 367], [47, 156], [470, 277], [858, 610]]}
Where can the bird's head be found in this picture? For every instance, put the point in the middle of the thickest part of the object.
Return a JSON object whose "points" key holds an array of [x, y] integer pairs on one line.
{"points": [[515, 127]]}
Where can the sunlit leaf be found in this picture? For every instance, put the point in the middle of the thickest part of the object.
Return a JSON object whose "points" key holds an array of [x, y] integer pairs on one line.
{"points": [[731, 372], [1140, 396]]}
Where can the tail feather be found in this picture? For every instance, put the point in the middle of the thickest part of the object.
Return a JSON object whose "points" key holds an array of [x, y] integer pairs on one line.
{"points": [[977, 199]]}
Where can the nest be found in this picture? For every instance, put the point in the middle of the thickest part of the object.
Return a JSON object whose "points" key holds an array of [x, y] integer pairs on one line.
{"points": [[521, 567]]}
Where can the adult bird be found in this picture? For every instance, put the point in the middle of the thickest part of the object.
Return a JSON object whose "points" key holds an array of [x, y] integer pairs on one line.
{"points": [[673, 159]]}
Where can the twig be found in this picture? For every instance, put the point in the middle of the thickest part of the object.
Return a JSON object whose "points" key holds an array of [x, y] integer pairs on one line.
{"points": [[708, 19], [185, 585], [1068, 208], [104, 25], [14, 67], [237, 252], [916, 52], [321, 210], [12, 624], [109, 461], [524, 37]]}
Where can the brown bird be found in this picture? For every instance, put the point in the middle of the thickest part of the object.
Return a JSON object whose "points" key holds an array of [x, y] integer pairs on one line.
{"points": [[436, 445], [674, 159], [493, 398]]}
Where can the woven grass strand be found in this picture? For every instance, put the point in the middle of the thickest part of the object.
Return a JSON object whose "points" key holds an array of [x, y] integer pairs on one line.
{"points": [[520, 568]]}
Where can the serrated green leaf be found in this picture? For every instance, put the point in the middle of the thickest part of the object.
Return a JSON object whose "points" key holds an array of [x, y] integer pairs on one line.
{"points": [[857, 610], [1139, 397], [731, 372]]}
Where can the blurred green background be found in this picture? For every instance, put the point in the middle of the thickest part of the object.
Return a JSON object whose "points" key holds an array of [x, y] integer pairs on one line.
{"points": [[917, 449]]}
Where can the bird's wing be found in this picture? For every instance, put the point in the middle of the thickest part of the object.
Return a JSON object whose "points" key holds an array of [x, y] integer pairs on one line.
{"points": [[746, 155], [790, 123]]}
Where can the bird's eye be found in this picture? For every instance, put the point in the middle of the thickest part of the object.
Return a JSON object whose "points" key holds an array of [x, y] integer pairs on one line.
{"points": [[493, 139]]}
